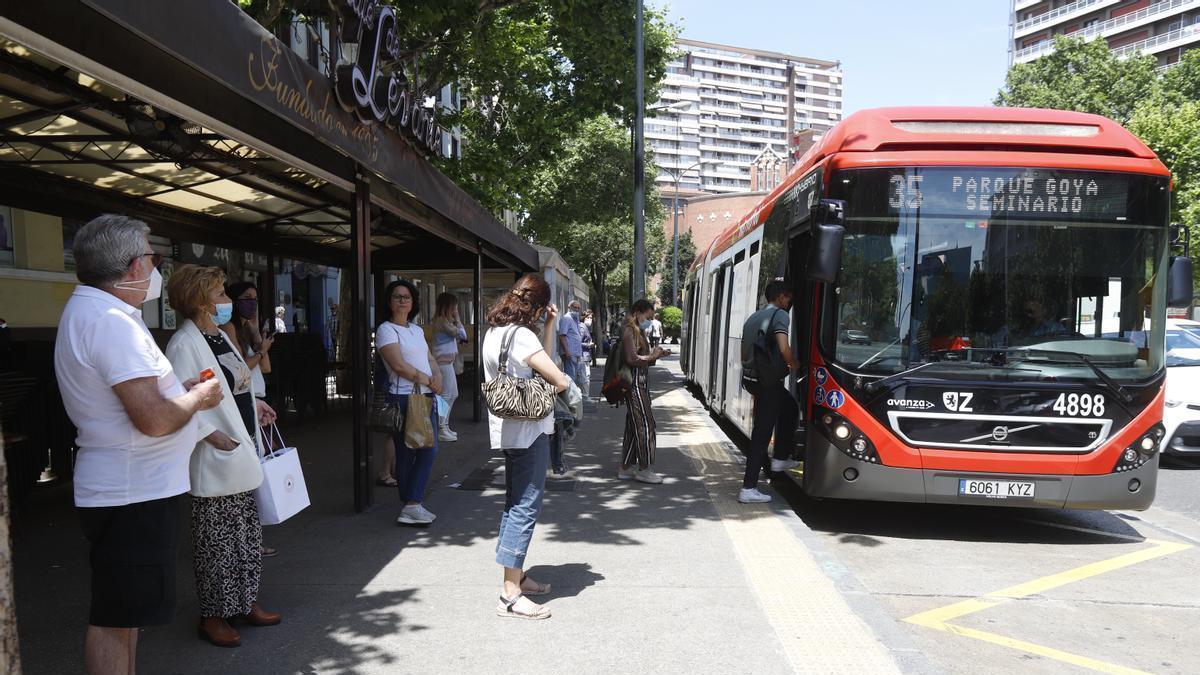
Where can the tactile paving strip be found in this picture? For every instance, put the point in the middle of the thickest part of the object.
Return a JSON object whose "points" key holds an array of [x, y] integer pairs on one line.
{"points": [[819, 631]]}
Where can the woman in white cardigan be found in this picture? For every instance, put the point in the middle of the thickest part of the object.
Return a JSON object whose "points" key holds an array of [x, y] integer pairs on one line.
{"points": [[225, 469]]}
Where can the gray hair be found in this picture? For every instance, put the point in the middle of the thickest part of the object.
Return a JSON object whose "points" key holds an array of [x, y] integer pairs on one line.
{"points": [[105, 247]]}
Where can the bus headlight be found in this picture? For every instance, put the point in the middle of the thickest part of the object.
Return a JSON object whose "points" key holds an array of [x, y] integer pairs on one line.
{"points": [[1140, 451], [845, 436]]}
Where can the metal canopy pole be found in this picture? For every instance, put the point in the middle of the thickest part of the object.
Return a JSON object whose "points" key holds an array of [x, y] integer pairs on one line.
{"points": [[360, 337], [477, 301]]}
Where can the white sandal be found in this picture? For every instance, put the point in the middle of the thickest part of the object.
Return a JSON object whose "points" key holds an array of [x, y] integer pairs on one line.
{"points": [[509, 607]]}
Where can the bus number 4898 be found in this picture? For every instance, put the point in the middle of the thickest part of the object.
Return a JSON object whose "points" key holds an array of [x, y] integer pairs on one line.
{"points": [[1079, 405]]}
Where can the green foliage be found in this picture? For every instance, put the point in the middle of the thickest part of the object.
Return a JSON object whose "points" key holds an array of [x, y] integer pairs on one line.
{"points": [[672, 320], [1164, 112], [687, 255], [1172, 130], [1083, 76], [530, 74], [581, 205]]}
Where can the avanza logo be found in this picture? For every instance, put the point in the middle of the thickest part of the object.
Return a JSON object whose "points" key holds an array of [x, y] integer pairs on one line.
{"points": [[910, 403]]}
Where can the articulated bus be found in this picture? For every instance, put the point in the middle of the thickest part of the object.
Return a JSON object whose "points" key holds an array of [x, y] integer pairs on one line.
{"points": [[970, 285]]}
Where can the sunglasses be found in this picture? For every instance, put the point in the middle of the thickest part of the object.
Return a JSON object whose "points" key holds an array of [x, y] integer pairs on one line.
{"points": [[155, 258]]}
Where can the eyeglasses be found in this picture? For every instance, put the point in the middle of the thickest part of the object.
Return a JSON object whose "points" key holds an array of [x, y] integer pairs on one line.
{"points": [[402, 298], [155, 258]]}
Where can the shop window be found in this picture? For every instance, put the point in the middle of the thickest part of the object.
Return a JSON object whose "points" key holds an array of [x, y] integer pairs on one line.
{"points": [[69, 228], [6, 237]]}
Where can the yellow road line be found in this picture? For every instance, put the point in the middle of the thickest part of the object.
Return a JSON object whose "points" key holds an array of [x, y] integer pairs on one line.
{"points": [[938, 619], [960, 609], [1048, 652]]}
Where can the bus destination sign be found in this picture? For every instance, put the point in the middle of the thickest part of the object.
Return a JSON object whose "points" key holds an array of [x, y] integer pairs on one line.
{"points": [[1021, 193]]}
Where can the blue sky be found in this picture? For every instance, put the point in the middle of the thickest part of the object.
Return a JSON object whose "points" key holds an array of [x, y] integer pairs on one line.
{"points": [[918, 52]]}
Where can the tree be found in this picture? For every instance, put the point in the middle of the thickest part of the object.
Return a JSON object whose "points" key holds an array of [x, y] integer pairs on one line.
{"points": [[1083, 76], [582, 206], [687, 255], [672, 321], [530, 73], [1164, 112]]}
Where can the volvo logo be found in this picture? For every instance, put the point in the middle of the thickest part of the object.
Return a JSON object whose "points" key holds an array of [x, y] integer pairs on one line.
{"points": [[1000, 434]]}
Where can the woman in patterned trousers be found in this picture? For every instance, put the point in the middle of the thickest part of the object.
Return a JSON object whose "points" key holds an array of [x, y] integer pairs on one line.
{"points": [[224, 468], [640, 434]]}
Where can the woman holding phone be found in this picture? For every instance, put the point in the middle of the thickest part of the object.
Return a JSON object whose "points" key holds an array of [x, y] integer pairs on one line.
{"points": [[641, 437]]}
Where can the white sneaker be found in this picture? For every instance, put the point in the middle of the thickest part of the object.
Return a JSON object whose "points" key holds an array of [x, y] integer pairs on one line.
{"points": [[565, 475], [752, 496], [647, 476], [626, 474], [415, 514], [447, 436], [778, 465]]}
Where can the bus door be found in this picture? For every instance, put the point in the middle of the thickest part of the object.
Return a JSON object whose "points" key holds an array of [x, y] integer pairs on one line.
{"points": [[716, 324], [804, 323]]}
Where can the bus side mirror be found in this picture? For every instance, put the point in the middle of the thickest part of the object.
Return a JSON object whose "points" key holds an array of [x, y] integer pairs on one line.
{"points": [[1179, 282], [825, 251]]}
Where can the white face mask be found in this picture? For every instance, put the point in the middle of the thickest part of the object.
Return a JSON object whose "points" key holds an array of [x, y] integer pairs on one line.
{"points": [[153, 291]]}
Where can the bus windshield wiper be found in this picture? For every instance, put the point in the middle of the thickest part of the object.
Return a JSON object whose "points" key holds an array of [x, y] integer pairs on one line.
{"points": [[1112, 385], [876, 385]]}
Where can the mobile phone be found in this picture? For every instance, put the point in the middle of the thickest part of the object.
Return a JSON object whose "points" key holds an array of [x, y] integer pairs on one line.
{"points": [[207, 374]]}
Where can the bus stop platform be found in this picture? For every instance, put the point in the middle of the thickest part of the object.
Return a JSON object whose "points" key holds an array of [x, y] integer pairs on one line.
{"points": [[671, 578]]}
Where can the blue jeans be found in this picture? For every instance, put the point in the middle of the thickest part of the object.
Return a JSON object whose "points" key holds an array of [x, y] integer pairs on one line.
{"points": [[413, 465], [569, 365], [524, 486]]}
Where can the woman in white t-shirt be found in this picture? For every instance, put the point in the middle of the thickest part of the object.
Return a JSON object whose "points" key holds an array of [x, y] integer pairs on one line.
{"points": [[521, 311], [412, 371]]}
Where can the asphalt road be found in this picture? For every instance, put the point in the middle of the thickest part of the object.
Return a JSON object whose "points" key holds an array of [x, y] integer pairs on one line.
{"points": [[1002, 590]]}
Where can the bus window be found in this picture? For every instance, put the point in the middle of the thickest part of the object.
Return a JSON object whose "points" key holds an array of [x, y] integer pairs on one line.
{"points": [[927, 272]]}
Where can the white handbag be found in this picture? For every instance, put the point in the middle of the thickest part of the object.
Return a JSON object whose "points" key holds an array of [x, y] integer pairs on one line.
{"points": [[283, 493]]}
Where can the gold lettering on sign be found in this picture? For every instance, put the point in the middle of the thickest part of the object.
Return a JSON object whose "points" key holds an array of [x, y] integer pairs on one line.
{"points": [[263, 73]]}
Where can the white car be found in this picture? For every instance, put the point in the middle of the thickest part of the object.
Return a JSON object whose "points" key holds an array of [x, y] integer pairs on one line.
{"points": [[1181, 416]]}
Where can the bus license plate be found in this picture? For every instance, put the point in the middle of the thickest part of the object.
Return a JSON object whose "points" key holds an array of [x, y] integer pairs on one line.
{"points": [[995, 489]]}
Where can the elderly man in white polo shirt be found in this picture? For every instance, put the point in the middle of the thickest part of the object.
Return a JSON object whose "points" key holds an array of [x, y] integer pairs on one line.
{"points": [[136, 434]]}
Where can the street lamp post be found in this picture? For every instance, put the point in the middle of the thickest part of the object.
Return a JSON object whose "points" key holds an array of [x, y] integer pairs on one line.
{"points": [[637, 277], [675, 178]]}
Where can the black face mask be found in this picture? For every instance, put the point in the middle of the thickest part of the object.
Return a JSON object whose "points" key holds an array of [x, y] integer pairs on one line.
{"points": [[246, 308]]}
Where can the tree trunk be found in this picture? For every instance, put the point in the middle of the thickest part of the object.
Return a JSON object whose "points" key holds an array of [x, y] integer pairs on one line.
{"points": [[599, 305], [10, 652]]}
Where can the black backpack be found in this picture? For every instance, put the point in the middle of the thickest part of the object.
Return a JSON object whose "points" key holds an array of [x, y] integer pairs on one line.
{"points": [[766, 366]]}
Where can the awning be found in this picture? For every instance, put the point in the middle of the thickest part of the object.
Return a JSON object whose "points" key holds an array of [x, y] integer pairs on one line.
{"points": [[258, 153]]}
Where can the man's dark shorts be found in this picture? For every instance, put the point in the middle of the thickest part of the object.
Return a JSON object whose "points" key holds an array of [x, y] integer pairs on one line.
{"points": [[133, 562]]}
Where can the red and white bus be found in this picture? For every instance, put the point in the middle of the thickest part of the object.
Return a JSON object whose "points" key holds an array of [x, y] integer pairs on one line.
{"points": [[969, 287]]}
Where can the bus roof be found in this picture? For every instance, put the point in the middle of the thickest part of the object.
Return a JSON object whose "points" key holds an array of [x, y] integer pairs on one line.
{"points": [[947, 135]]}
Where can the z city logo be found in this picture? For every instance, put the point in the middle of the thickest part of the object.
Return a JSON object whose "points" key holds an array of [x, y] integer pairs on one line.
{"points": [[958, 401]]}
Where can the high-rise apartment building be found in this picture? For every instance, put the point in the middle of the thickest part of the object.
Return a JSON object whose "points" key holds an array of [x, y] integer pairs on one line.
{"points": [[725, 106], [1162, 28]]}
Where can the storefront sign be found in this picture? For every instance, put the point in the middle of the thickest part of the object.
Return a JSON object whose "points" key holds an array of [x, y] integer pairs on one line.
{"points": [[364, 88]]}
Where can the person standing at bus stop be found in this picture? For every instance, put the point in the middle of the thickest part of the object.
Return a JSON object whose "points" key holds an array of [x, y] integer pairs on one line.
{"points": [[136, 430], [767, 360], [641, 437]]}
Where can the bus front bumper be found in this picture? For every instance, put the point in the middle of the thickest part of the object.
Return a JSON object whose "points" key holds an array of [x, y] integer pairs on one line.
{"points": [[826, 476]]}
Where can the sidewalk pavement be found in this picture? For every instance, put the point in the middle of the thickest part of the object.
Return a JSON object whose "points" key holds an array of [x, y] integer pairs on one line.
{"points": [[672, 578]]}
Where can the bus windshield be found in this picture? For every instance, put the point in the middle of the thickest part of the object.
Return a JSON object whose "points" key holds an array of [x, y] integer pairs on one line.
{"points": [[983, 264]]}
